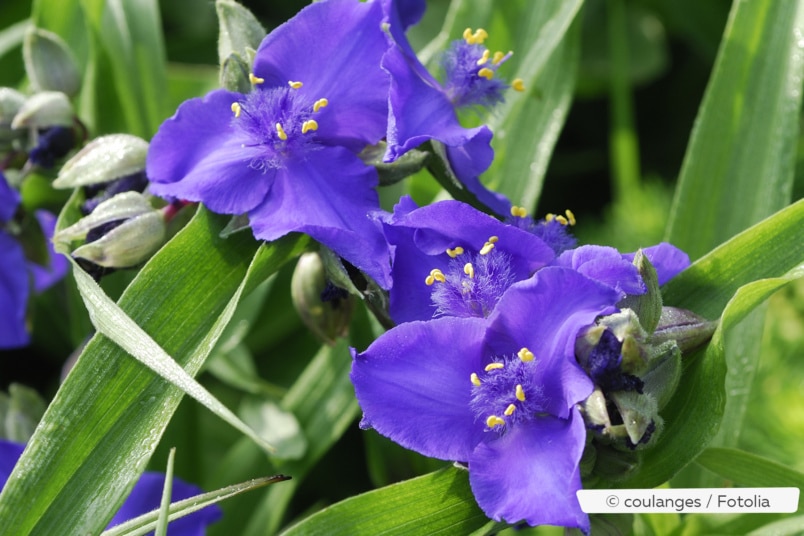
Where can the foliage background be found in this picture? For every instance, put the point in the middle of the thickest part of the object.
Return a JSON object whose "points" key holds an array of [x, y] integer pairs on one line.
{"points": [[671, 48]]}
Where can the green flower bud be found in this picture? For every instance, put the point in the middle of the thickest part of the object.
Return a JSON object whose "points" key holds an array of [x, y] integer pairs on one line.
{"points": [[131, 243], [49, 63], [594, 410], [20, 412], [663, 374], [238, 29], [627, 328], [234, 74], [103, 160], [43, 110], [10, 103], [405, 166], [123, 206], [647, 306], [637, 411], [327, 317], [685, 327]]}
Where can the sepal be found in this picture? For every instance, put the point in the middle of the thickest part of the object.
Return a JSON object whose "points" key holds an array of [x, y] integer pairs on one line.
{"points": [[103, 160], [49, 63]]}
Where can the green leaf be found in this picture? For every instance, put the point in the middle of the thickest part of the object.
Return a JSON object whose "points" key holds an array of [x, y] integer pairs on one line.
{"points": [[105, 421], [167, 490], [147, 522], [437, 503], [749, 470], [746, 268], [129, 62]]}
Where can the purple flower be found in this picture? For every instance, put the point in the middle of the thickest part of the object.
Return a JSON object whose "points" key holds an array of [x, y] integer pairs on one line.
{"points": [[499, 394], [286, 153], [145, 497], [18, 274], [451, 259], [422, 109], [615, 269]]}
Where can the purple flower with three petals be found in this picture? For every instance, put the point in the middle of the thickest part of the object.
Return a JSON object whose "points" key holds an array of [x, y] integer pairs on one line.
{"points": [[422, 109], [451, 259], [286, 153], [145, 497], [500, 394], [18, 274]]}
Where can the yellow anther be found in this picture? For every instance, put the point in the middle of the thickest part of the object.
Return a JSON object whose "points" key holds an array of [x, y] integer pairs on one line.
{"points": [[488, 246], [525, 355], [475, 379], [294, 85], [493, 366], [310, 124], [509, 410], [494, 239], [549, 217], [237, 109], [454, 252], [480, 35], [518, 212], [562, 220], [486, 73], [484, 58], [254, 79], [498, 57], [435, 275], [467, 36], [520, 393], [320, 103], [518, 84], [281, 132], [469, 270], [493, 421], [570, 216]]}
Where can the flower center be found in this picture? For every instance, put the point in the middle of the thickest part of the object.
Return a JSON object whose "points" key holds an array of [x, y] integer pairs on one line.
{"points": [[279, 121], [506, 393], [473, 282], [553, 229], [469, 68]]}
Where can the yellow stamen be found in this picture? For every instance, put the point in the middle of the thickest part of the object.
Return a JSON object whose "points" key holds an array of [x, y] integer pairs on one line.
{"points": [[509, 410], [494, 239], [454, 252], [320, 103], [486, 73], [480, 35], [570, 216], [469, 270], [518, 84], [525, 355], [498, 57], [237, 109], [254, 79], [518, 212], [483, 59], [520, 393], [294, 85], [310, 124], [549, 217], [493, 421], [467, 36], [488, 246], [435, 275], [281, 132], [493, 366], [475, 380], [562, 220]]}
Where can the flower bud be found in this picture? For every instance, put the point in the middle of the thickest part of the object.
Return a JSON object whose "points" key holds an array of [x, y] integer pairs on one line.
{"points": [[663, 374], [234, 74], [239, 29], [637, 411], [44, 110], [127, 245], [685, 327], [49, 63], [123, 206], [324, 308], [103, 160], [647, 306]]}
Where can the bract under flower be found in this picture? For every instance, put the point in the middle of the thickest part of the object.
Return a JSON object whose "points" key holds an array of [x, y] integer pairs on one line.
{"points": [[286, 153], [451, 259], [500, 394]]}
